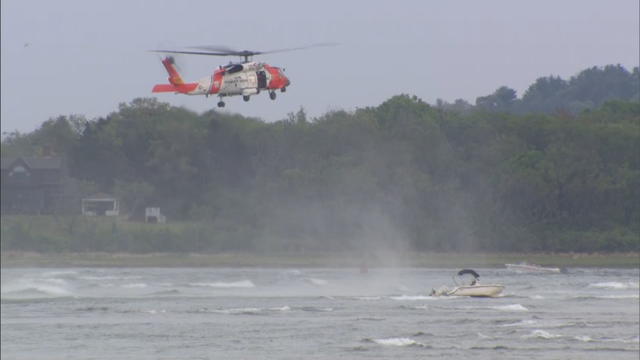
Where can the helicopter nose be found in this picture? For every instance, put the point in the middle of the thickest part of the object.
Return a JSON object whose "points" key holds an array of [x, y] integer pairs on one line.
{"points": [[278, 79], [285, 79]]}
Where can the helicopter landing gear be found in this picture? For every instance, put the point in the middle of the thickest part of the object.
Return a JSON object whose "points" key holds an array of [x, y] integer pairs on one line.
{"points": [[272, 95], [221, 104], [246, 98], [284, 89]]}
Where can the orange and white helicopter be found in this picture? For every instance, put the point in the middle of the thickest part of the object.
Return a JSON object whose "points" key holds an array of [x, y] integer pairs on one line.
{"points": [[244, 78]]}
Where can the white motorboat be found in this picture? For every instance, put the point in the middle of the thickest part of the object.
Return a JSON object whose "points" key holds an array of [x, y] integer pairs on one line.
{"points": [[477, 290], [525, 267], [472, 289]]}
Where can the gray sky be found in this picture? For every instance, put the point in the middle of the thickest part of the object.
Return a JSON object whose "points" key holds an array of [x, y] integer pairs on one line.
{"points": [[85, 57]]}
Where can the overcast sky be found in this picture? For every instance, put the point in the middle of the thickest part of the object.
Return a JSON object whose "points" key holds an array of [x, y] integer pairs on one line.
{"points": [[85, 57]]}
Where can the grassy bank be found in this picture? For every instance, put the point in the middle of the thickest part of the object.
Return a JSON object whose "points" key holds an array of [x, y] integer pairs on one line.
{"points": [[83, 234], [100, 241], [436, 260]]}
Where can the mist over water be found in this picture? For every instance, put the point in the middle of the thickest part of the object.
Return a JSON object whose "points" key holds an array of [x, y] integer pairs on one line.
{"points": [[239, 313]]}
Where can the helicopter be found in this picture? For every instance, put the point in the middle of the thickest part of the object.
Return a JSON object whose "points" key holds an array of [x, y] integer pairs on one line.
{"points": [[245, 78]]}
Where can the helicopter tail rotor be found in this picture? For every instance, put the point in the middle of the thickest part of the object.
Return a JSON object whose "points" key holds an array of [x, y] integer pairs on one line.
{"points": [[176, 83], [175, 78]]}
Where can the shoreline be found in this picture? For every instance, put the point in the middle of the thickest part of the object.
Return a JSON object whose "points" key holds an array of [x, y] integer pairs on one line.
{"points": [[15, 259]]}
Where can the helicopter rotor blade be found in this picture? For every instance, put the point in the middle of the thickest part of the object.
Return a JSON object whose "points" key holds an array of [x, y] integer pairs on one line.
{"points": [[214, 48], [192, 52], [226, 51], [217, 50], [299, 48]]}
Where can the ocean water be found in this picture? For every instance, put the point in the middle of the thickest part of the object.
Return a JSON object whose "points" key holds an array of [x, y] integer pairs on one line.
{"points": [[252, 313]]}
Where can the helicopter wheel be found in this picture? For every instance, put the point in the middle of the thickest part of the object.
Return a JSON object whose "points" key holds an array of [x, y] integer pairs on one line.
{"points": [[221, 104], [272, 95], [246, 98], [284, 89]]}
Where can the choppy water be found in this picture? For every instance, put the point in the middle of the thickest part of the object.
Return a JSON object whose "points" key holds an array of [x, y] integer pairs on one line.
{"points": [[196, 313]]}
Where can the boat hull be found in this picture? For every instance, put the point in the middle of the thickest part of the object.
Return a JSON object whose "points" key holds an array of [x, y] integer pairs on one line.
{"points": [[477, 291]]}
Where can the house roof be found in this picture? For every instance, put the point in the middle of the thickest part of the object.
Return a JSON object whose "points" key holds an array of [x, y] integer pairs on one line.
{"points": [[39, 163]]}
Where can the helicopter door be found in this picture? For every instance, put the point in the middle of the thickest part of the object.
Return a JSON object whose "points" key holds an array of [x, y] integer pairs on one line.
{"points": [[262, 80]]}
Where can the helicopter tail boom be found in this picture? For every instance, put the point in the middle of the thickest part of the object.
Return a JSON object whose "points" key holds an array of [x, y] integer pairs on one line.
{"points": [[184, 88], [159, 88]]}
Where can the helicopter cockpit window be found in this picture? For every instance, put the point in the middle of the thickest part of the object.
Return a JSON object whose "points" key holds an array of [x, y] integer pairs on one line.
{"points": [[233, 68]]}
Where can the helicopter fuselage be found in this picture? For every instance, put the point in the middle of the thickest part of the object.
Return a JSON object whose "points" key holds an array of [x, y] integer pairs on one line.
{"points": [[245, 79]]}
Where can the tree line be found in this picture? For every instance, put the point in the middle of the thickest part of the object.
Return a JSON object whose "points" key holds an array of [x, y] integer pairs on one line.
{"points": [[588, 89], [404, 174]]}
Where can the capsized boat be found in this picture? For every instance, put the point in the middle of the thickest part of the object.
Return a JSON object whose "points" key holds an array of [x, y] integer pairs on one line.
{"points": [[473, 288], [526, 267]]}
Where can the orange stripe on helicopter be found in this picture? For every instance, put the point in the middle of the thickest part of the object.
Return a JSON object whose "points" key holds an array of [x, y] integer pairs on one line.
{"points": [[217, 80]]}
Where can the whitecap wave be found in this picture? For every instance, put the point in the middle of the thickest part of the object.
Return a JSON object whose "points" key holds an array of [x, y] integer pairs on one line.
{"points": [[512, 307], [239, 311], [248, 310], [615, 285], [98, 278], [233, 284], [397, 342], [316, 309], [413, 297], [282, 308], [55, 281], [135, 286], [108, 277], [628, 296], [154, 311], [541, 334], [320, 282], [368, 298], [59, 273], [523, 323], [35, 289], [293, 272], [633, 340], [583, 338]]}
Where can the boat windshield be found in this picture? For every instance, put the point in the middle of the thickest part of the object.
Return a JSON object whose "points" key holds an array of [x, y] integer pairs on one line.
{"points": [[466, 277]]}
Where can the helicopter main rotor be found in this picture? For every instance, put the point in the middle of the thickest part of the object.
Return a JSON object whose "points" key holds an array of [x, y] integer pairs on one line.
{"points": [[226, 51]]}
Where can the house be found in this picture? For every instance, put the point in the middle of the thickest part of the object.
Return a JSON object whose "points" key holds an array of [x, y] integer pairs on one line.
{"points": [[100, 205], [36, 186], [153, 215]]}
